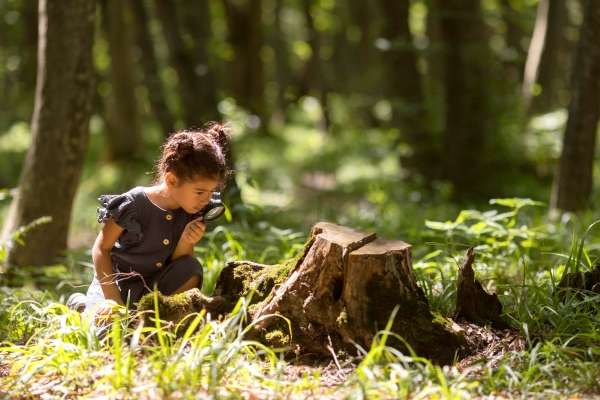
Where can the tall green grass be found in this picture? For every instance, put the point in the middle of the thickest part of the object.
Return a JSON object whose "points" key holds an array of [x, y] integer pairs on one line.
{"points": [[49, 349]]}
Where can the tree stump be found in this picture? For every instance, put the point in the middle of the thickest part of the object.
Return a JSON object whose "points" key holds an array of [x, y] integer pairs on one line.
{"points": [[344, 289]]}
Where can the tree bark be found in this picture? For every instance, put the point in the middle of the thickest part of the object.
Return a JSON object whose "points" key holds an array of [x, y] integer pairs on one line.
{"points": [[313, 70], [555, 63], [63, 105], [123, 130], [28, 70], [534, 53], [405, 86], [473, 303], [573, 179], [282, 66], [246, 37], [515, 36], [197, 103], [469, 115], [197, 25], [344, 288], [150, 67]]}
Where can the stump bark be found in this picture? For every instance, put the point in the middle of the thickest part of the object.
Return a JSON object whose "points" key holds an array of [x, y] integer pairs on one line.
{"points": [[473, 303], [344, 288]]}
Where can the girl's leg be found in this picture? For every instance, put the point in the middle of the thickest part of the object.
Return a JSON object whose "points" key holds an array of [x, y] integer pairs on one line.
{"points": [[191, 283], [180, 275]]}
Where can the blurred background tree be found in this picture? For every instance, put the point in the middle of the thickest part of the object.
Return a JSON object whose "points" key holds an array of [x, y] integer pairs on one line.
{"points": [[341, 109]]}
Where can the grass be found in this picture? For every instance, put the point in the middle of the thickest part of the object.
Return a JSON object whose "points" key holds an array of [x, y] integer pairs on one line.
{"points": [[48, 349]]}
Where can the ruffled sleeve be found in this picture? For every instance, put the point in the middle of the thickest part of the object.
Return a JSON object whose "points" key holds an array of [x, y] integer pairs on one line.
{"points": [[121, 209]]}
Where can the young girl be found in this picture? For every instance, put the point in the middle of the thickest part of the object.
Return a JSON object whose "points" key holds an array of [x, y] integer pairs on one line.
{"points": [[149, 233]]}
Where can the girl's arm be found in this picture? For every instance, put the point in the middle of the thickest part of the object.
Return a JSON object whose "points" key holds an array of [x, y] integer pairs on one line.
{"points": [[183, 248], [102, 262], [192, 233]]}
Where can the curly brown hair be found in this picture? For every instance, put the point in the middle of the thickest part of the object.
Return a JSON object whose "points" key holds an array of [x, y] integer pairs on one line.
{"points": [[190, 154]]}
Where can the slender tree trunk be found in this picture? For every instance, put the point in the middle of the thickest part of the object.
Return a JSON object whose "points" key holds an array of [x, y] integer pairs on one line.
{"points": [[63, 105], [197, 24], [197, 109], [313, 72], [434, 80], [534, 54], [362, 18], [573, 180], [282, 67], [515, 36], [555, 63], [246, 37], [28, 70], [123, 133], [468, 111], [150, 67], [404, 85]]}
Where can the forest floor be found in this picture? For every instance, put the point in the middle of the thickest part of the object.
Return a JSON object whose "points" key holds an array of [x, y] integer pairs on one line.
{"points": [[551, 350]]}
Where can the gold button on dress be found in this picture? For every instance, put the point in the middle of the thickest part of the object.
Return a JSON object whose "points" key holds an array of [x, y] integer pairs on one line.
{"points": [[169, 217], [166, 242], [159, 264]]}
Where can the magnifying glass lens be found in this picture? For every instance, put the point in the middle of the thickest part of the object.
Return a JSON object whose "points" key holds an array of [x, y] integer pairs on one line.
{"points": [[214, 213]]}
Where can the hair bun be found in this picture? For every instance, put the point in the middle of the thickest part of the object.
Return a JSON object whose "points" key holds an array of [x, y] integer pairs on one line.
{"points": [[184, 146], [219, 133]]}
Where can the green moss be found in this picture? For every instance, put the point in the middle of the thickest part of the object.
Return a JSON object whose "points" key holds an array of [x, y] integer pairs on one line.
{"points": [[171, 308], [277, 338], [260, 282]]}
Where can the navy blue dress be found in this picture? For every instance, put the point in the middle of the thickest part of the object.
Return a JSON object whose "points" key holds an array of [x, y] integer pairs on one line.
{"points": [[141, 256]]}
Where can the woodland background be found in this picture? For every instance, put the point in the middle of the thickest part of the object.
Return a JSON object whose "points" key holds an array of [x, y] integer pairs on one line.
{"points": [[387, 115]]}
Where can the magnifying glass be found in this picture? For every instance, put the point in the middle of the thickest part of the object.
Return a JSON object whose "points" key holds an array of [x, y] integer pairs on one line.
{"points": [[214, 209]]}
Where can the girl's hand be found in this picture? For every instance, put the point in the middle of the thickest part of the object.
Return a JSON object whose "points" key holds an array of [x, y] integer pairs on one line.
{"points": [[193, 231], [105, 311]]}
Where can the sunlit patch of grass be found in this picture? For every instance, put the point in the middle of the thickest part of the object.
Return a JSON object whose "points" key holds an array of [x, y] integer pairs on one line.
{"points": [[51, 350]]}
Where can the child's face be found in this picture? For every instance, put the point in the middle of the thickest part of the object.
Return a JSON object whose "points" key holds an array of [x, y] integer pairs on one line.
{"points": [[192, 196]]}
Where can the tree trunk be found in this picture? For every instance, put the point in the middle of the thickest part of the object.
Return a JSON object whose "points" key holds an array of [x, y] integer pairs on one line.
{"points": [[282, 66], [468, 111], [573, 180], [198, 107], [123, 130], [28, 70], [63, 105], [555, 63], [313, 70], [434, 80], [534, 54], [404, 85], [197, 24], [150, 67], [515, 35], [244, 25]]}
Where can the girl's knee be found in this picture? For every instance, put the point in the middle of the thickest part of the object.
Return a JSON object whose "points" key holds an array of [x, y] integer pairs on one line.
{"points": [[182, 274], [189, 263]]}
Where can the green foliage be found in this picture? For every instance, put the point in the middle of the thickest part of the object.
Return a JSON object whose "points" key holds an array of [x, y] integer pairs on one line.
{"points": [[494, 234], [41, 337]]}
